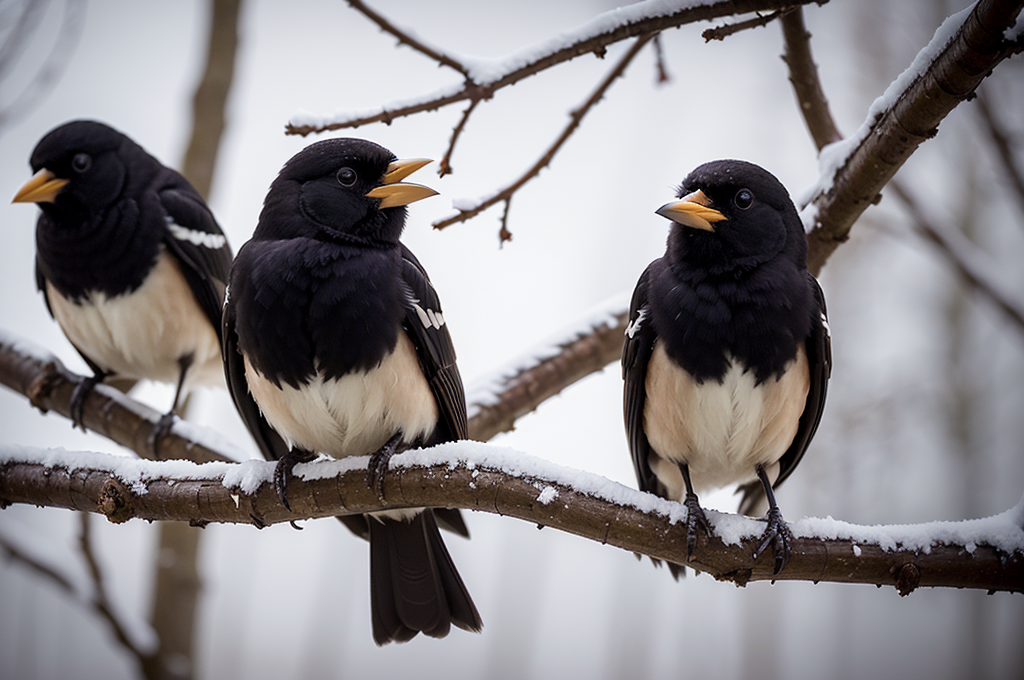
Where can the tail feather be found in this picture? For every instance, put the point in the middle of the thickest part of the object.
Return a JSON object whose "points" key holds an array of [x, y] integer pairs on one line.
{"points": [[414, 586]]}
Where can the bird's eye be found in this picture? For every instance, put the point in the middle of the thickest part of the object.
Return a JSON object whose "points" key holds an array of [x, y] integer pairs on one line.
{"points": [[81, 162], [346, 177], [744, 199]]}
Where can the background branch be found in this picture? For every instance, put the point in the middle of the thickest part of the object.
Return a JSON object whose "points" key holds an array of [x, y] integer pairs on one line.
{"points": [[986, 554], [1004, 147]]}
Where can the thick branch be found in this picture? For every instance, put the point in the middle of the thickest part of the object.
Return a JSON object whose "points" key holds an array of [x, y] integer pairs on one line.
{"points": [[48, 385], [595, 37], [986, 554], [871, 158]]}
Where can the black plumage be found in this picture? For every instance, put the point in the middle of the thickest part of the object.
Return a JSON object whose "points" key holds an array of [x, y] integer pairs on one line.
{"points": [[130, 261], [335, 343], [727, 354]]}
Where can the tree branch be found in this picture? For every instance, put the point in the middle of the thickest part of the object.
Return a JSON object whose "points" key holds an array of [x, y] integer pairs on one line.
{"points": [[575, 118], [724, 31], [593, 37], [803, 74], [986, 554], [48, 385], [945, 74], [405, 38]]}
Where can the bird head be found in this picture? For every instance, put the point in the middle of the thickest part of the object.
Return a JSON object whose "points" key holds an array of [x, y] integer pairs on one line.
{"points": [[78, 169], [733, 214], [345, 189]]}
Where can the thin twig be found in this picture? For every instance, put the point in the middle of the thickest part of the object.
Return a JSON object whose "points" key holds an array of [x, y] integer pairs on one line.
{"points": [[445, 166], [590, 43], [575, 118], [661, 69], [406, 39], [724, 31], [1004, 147]]}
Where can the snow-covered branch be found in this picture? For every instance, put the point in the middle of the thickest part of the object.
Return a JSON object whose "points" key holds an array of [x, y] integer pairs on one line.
{"points": [[37, 374], [484, 77], [986, 553], [963, 52]]}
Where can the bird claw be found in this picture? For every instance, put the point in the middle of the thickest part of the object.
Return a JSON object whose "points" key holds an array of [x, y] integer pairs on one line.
{"points": [[378, 467], [778, 535], [78, 397], [695, 519], [283, 469], [160, 430]]}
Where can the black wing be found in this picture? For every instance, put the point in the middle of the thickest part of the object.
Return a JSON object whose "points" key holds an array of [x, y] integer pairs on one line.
{"points": [[425, 325], [194, 237], [267, 439], [819, 361], [636, 353]]}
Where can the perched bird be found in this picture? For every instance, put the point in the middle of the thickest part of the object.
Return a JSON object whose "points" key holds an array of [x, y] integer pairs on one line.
{"points": [[334, 337], [130, 261], [727, 353]]}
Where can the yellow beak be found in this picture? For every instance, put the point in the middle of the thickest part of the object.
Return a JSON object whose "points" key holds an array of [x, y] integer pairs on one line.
{"points": [[693, 210], [42, 188], [393, 192]]}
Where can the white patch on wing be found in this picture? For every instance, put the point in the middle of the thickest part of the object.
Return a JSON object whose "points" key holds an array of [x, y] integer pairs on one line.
{"points": [[428, 317], [721, 430], [353, 415], [143, 334], [824, 324], [634, 325], [196, 237]]}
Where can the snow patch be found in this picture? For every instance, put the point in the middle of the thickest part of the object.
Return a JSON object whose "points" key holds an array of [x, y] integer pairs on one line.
{"points": [[547, 494]]}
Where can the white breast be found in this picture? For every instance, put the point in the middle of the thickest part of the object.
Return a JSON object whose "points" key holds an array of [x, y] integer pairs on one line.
{"points": [[353, 415], [144, 334], [721, 430]]}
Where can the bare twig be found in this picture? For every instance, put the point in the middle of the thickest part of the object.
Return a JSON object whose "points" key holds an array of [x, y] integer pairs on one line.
{"points": [[471, 476], [661, 69], [1004, 147], [955, 250], [445, 166], [575, 118], [48, 571], [724, 31], [803, 74], [913, 117], [406, 39], [595, 42]]}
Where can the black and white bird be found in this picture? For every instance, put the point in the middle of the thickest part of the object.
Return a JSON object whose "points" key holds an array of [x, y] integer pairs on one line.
{"points": [[727, 353], [130, 261], [334, 336]]}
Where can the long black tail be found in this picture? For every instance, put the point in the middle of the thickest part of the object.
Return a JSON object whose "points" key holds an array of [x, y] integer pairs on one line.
{"points": [[414, 587]]}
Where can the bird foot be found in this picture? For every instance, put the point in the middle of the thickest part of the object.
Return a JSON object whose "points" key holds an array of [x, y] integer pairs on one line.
{"points": [[78, 397], [378, 466], [778, 535], [695, 519], [284, 468], [160, 430]]}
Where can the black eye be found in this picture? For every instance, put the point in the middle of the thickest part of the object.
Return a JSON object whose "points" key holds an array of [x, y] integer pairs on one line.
{"points": [[347, 177], [744, 199], [81, 162]]}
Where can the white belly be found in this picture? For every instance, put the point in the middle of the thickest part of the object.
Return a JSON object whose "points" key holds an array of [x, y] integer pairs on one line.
{"points": [[143, 335], [353, 415], [722, 431]]}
